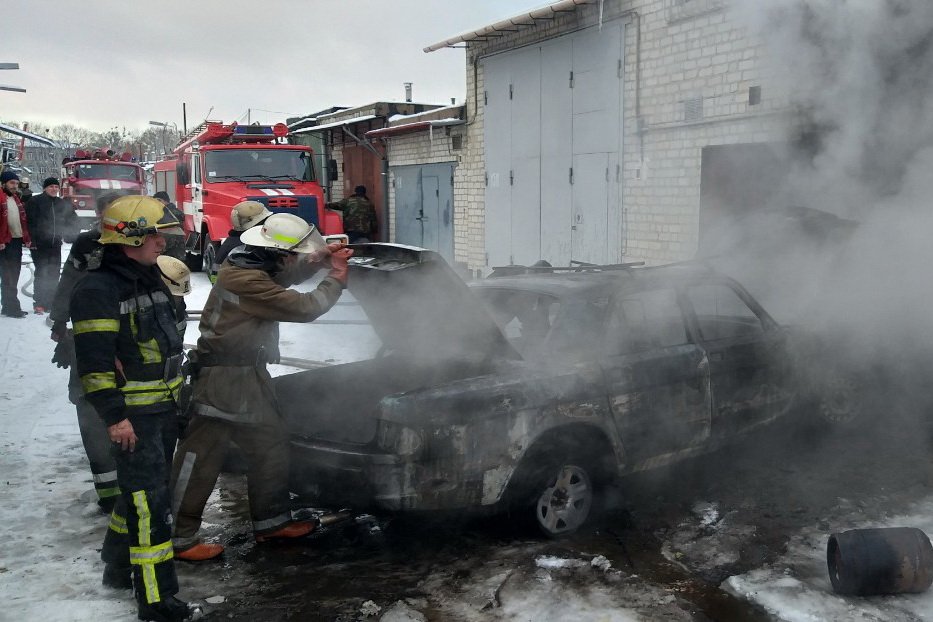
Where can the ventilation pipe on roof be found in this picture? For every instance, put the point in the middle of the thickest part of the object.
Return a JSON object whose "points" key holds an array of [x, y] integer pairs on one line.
{"points": [[408, 92]]}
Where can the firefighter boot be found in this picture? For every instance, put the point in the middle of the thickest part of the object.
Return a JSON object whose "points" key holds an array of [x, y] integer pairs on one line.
{"points": [[200, 552], [118, 577], [169, 610], [295, 529]]}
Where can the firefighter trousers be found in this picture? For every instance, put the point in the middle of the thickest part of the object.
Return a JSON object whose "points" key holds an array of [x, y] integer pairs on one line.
{"points": [[140, 531], [198, 463], [96, 443]]}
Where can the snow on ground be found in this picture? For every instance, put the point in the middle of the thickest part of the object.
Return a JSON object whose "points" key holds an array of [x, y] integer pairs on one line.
{"points": [[50, 567]]}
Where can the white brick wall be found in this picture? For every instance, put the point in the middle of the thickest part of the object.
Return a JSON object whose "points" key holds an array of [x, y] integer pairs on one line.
{"points": [[688, 50]]}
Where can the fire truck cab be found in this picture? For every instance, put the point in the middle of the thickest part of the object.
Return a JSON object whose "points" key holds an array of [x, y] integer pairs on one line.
{"points": [[218, 165], [90, 174]]}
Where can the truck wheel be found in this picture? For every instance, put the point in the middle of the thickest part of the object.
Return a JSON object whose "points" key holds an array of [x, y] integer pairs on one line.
{"points": [[565, 500], [208, 253], [193, 261]]}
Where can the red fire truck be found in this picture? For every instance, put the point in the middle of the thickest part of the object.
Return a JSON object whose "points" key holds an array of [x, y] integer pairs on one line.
{"points": [[218, 165], [94, 172]]}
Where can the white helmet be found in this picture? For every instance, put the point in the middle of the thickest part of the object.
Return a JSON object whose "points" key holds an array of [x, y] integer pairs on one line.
{"points": [[248, 214], [285, 232], [175, 274]]}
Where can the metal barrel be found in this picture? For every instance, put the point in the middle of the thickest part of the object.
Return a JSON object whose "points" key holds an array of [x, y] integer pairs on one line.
{"points": [[894, 560]]}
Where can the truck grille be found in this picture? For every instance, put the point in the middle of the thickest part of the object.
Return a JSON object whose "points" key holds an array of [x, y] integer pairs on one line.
{"points": [[282, 202]]}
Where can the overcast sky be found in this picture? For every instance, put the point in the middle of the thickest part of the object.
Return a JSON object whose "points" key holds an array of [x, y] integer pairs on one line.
{"points": [[106, 63]]}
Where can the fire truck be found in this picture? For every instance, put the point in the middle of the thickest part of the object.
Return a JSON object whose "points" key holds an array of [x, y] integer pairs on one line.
{"points": [[91, 173], [217, 165]]}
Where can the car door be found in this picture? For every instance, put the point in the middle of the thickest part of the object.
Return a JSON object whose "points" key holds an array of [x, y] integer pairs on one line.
{"points": [[657, 379], [743, 345]]}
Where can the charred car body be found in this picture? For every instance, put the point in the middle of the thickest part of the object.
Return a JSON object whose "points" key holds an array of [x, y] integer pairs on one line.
{"points": [[530, 390]]}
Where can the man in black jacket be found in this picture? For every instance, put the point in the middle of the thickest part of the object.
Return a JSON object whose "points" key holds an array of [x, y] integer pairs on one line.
{"points": [[51, 221], [128, 353]]}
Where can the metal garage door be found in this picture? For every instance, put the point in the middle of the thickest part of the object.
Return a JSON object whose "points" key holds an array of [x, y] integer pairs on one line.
{"points": [[553, 126], [424, 197]]}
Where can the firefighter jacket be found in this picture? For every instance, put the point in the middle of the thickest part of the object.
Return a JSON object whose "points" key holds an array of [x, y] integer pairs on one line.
{"points": [[359, 215], [52, 220], [127, 345], [240, 334], [5, 234], [86, 253]]}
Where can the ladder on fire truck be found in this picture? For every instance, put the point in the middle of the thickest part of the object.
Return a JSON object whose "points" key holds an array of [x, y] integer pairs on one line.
{"points": [[194, 133]]}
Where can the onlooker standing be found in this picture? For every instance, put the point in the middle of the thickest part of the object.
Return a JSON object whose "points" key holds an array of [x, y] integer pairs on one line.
{"points": [[175, 239], [52, 220], [25, 192], [14, 233], [359, 216]]}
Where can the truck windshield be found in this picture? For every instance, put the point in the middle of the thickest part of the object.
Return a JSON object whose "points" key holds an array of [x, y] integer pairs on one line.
{"points": [[124, 172], [258, 164]]}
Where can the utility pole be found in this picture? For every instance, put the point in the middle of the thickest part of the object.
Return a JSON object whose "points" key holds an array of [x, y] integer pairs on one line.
{"points": [[4, 87]]}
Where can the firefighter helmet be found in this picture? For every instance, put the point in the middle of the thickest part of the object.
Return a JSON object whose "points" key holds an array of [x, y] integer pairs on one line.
{"points": [[129, 219], [175, 274], [248, 214], [285, 232]]}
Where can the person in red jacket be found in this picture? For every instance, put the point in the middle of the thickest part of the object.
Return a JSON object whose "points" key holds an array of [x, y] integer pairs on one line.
{"points": [[14, 234]]}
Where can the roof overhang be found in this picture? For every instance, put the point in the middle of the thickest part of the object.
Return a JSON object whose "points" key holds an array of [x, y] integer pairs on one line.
{"points": [[513, 24], [335, 124], [24, 134], [408, 128]]}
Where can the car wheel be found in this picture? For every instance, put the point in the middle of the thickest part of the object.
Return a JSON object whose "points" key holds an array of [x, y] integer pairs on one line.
{"points": [[841, 399], [564, 504]]}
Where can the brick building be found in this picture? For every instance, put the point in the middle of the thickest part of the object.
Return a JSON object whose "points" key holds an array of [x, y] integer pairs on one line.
{"points": [[611, 131]]}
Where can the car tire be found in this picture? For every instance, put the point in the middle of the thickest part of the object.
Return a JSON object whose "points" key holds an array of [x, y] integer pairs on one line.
{"points": [[841, 401], [565, 499]]}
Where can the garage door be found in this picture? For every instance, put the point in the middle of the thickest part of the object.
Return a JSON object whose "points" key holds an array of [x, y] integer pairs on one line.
{"points": [[553, 126]]}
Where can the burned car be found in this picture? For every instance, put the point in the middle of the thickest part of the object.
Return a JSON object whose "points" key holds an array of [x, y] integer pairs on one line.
{"points": [[530, 391]]}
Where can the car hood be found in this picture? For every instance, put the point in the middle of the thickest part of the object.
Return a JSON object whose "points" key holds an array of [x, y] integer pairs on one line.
{"points": [[418, 305]]}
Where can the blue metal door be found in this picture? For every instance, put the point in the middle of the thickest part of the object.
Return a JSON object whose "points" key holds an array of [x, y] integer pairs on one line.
{"points": [[424, 197]]}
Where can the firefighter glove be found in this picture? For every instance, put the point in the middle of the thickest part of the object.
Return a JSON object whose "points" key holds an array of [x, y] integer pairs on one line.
{"points": [[338, 264], [64, 351]]}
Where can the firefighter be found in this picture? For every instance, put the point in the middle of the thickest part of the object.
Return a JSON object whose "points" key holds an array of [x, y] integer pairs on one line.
{"points": [[175, 241], [128, 354], [177, 277], [233, 395], [244, 215], [359, 216], [86, 252]]}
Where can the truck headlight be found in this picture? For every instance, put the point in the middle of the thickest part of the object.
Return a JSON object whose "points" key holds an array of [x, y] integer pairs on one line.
{"points": [[82, 203]]}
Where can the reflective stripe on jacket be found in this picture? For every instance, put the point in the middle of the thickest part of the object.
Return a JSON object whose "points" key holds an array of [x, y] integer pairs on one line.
{"points": [[240, 333], [127, 342]]}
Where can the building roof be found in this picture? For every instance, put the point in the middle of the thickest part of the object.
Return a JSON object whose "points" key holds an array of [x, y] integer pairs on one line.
{"points": [[513, 24]]}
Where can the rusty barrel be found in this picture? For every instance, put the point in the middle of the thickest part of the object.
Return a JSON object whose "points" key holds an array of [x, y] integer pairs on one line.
{"points": [[894, 560]]}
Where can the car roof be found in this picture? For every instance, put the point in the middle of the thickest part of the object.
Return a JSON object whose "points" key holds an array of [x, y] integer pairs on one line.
{"points": [[563, 282]]}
